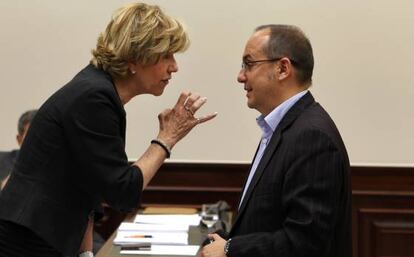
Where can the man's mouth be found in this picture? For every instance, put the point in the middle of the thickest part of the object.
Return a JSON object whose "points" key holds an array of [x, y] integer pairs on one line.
{"points": [[248, 90], [165, 81]]}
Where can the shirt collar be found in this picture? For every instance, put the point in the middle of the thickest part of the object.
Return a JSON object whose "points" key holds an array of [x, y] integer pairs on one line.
{"points": [[269, 123]]}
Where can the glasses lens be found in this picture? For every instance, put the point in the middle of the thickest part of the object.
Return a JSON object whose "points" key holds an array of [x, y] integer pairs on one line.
{"points": [[246, 65]]}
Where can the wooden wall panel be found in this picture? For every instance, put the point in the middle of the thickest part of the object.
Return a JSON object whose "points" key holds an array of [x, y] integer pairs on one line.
{"points": [[385, 232], [394, 238], [192, 184], [383, 211]]}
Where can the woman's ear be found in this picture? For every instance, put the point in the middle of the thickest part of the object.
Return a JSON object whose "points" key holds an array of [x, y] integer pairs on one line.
{"points": [[132, 67]]}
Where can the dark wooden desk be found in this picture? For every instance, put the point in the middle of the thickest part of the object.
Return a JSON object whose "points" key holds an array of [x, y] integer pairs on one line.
{"points": [[197, 234]]}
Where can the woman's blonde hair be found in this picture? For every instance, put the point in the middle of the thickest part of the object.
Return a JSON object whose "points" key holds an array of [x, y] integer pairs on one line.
{"points": [[137, 32]]}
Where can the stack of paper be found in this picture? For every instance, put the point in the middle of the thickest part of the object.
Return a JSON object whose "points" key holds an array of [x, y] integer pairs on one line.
{"points": [[179, 250], [183, 219], [167, 228], [157, 235], [132, 237]]}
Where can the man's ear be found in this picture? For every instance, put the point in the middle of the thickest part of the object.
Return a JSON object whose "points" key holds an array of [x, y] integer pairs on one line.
{"points": [[20, 136], [19, 139], [284, 68]]}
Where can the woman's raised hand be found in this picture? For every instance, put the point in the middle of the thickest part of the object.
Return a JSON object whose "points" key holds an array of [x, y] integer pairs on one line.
{"points": [[177, 122]]}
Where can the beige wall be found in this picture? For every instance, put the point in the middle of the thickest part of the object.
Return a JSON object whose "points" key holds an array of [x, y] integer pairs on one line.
{"points": [[363, 75]]}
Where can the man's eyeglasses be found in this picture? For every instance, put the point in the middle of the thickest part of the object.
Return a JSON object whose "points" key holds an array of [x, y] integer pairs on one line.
{"points": [[248, 65]]}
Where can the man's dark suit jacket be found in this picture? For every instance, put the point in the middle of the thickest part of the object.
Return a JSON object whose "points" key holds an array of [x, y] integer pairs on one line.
{"points": [[299, 201], [72, 159], [7, 160]]}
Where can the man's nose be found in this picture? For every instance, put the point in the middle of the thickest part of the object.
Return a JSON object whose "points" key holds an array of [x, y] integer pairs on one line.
{"points": [[241, 78]]}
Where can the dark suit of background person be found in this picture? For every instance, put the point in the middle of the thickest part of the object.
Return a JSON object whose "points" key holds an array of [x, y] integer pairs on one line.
{"points": [[298, 202], [7, 159], [73, 157]]}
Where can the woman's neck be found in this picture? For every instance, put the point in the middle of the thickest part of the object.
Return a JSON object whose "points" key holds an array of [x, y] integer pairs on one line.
{"points": [[124, 88]]}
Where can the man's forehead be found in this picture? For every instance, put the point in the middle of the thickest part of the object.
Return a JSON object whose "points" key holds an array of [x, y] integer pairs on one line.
{"points": [[254, 46]]}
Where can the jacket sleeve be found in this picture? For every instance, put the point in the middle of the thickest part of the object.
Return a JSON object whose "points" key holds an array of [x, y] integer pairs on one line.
{"points": [[95, 138], [311, 199]]}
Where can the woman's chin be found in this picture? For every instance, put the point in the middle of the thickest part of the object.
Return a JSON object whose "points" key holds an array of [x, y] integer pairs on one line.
{"points": [[158, 93]]}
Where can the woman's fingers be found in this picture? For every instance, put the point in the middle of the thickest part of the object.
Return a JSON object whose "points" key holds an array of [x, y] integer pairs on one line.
{"points": [[205, 118], [198, 103], [187, 99], [192, 104], [190, 101], [177, 122], [196, 106], [182, 98]]}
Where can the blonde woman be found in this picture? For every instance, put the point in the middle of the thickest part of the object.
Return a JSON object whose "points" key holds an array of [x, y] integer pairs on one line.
{"points": [[73, 157]]}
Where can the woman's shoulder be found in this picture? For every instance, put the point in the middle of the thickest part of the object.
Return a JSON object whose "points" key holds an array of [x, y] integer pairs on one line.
{"points": [[89, 83], [89, 86], [92, 78]]}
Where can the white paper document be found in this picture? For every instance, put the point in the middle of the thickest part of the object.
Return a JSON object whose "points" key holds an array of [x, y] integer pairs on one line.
{"points": [[177, 219], [131, 237], [174, 228], [180, 250]]}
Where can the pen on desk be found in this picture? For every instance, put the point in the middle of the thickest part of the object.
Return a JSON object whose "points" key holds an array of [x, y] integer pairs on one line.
{"points": [[135, 248], [139, 236]]}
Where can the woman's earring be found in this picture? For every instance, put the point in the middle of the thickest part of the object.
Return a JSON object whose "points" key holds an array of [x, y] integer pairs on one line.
{"points": [[133, 72]]}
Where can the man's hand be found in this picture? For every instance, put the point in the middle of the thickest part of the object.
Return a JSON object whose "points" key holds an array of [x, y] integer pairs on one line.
{"points": [[215, 249]]}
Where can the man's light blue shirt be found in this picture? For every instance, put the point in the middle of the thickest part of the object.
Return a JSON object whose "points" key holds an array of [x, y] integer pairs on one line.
{"points": [[268, 125]]}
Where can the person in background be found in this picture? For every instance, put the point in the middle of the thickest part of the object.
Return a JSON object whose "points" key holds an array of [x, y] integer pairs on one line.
{"points": [[7, 159], [73, 158], [297, 198]]}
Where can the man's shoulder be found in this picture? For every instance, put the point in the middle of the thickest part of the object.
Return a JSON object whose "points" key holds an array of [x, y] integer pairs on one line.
{"points": [[314, 116], [313, 119]]}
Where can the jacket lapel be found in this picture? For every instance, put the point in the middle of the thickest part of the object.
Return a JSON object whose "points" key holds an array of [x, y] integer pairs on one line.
{"points": [[247, 177], [290, 116]]}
